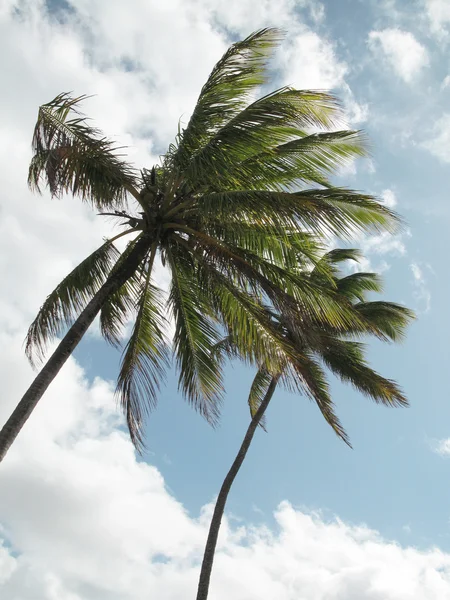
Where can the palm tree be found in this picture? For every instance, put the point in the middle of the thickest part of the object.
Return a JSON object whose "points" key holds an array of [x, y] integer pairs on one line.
{"points": [[226, 210], [302, 368]]}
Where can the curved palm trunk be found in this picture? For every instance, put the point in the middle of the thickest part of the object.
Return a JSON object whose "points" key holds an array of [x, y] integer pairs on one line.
{"points": [[23, 410], [210, 548]]}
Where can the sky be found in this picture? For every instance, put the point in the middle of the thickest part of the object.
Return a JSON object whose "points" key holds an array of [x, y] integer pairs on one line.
{"points": [[82, 517]]}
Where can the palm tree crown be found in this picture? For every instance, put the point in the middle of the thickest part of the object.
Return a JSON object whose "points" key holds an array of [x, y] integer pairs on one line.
{"points": [[233, 210]]}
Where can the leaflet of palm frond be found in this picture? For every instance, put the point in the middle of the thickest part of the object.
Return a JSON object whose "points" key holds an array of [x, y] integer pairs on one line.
{"points": [[269, 122], [200, 377], [120, 306], [305, 160], [388, 320], [247, 320], [346, 360], [290, 293], [144, 362], [309, 377], [357, 285], [294, 250], [227, 90], [336, 211], [68, 299], [72, 157]]}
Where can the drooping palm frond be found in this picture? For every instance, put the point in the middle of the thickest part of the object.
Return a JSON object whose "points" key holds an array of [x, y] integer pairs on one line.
{"points": [[388, 320], [72, 157], [227, 90], [200, 377], [68, 299], [346, 360], [144, 361], [308, 376]]}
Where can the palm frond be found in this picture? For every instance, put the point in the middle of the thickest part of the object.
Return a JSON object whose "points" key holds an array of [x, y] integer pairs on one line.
{"points": [[144, 361], [270, 121], [355, 286], [310, 379], [333, 211], [200, 376], [227, 90], [388, 320], [346, 360], [68, 299], [305, 160], [72, 157]]}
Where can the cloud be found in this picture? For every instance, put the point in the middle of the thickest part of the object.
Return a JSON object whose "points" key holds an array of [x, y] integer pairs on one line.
{"points": [[401, 50], [80, 516], [442, 447], [439, 142], [388, 198], [103, 525], [438, 12], [421, 292]]}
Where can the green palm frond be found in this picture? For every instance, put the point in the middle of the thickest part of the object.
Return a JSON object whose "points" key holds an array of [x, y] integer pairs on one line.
{"points": [[268, 122], [119, 307], [195, 336], [227, 90], [355, 286], [307, 374], [68, 299], [144, 361], [388, 320], [72, 157], [307, 159], [334, 211], [346, 360]]}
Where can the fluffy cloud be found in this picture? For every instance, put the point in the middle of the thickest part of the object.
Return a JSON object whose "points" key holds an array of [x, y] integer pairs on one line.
{"points": [[401, 50], [388, 198], [438, 12], [442, 447], [421, 293], [80, 517], [439, 142], [99, 524]]}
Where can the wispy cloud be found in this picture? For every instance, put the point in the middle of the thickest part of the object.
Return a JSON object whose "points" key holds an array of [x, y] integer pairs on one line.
{"points": [[421, 292], [439, 141], [442, 447], [438, 12], [401, 50]]}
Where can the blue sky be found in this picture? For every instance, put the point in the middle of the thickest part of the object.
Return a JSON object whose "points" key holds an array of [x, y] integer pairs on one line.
{"points": [[321, 515]]}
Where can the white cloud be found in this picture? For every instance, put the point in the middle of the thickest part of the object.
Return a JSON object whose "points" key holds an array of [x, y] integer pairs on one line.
{"points": [[388, 198], [446, 82], [442, 447], [421, 292], [439, 142], [101, 525], [401, 50], [80, 517], [438, 12]]}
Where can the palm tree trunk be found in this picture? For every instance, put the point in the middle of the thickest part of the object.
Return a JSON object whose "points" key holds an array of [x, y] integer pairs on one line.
{"points": [[67, 345], [210, 548]]}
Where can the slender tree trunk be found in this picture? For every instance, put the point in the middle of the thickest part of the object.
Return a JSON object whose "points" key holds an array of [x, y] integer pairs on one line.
{"points": [[67, 345], [211, 542]]}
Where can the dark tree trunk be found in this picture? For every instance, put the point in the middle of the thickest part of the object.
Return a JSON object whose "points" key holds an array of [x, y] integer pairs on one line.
{"points": [[67, 345], [210, 548]]}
